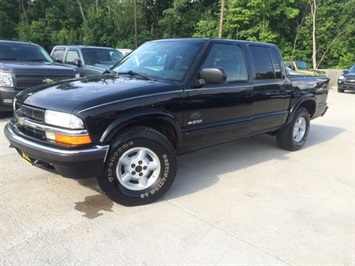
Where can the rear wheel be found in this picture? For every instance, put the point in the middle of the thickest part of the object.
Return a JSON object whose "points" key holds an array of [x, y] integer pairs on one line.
{"points": [[295, 134], [140, 168]]}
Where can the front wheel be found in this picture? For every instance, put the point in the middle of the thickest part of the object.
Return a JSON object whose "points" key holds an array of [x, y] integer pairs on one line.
{"points": [[294, 135], [140, 167]]}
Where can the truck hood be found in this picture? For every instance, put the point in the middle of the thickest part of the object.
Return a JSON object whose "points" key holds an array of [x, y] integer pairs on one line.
{"points": [[103, 66], [78, 94], [349, 75], [42, 68], [319, 72]]}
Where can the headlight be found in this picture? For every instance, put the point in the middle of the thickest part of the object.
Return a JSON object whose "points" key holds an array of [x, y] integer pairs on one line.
{"points": [[341, 78], [63, 120], [6, 79]]}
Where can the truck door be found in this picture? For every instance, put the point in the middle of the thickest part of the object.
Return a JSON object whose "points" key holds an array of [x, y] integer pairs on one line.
{"points": [[217, 113], [270, 96], [71, 59]]}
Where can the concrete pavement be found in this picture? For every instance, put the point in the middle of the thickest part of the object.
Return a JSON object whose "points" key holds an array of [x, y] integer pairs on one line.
{"points": [[246, 202]]}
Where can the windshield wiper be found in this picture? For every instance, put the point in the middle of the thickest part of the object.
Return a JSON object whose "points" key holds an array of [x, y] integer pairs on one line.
{"points": [[132, 73], [109, 72]]}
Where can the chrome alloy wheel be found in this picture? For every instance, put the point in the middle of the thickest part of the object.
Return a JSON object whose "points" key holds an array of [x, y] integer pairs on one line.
{"points": [[138, 168], [299, 129]]}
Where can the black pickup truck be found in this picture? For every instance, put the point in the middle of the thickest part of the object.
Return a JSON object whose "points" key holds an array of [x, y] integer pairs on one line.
{"points": [[25, 64], [166, 98]]}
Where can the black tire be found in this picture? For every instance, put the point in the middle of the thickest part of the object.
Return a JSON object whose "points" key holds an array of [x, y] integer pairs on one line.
{"points": [[340, 90], [140, 167], [294, 135]]}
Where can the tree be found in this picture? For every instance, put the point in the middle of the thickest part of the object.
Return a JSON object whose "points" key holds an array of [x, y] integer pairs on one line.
{"points": [[320, 32], [314, 7], [181, 18], [9, 19]]}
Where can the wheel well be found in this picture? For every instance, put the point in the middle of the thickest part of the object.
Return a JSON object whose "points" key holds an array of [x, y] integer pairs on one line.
{"points": [[159, 125], [310, 106]]}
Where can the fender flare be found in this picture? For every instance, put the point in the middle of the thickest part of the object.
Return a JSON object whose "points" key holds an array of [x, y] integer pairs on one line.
{"points": [[308, 101], [132, 118]]}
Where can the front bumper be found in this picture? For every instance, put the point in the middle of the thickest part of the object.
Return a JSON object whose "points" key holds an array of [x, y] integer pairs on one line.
{"points": [[348, 86], [77, 163], [6, 98]]}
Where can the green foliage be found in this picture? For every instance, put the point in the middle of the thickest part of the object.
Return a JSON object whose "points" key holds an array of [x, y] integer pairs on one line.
{"points": [[98, 29], [180, 19], [288, 23], [9, 18]]}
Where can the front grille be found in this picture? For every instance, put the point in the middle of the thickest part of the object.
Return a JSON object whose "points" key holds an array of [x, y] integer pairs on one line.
{"points": [[26, 81], [350, 81], [30, 112], [33, 114], [34, 133]]}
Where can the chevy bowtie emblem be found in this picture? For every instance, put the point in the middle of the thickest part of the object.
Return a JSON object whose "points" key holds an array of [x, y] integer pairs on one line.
{"points": [[48, 80]]}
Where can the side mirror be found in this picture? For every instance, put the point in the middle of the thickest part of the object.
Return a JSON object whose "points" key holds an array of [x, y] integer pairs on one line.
{"points": [[77, 62], [212, 76]]}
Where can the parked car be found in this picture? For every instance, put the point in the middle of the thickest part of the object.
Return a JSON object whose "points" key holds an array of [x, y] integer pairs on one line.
{"points": [[302, 67], [23, 65], [89, 60], [292, 73], [166, 98], [347, 80]]}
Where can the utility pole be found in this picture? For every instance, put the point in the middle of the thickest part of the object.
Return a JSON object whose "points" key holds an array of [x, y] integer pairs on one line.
{"points": [[135, 24], [220, 31], [314, 17]]}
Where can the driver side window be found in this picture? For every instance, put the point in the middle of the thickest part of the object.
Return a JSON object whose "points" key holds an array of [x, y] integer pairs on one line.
{"points": [[230, 58], [71, 56]]}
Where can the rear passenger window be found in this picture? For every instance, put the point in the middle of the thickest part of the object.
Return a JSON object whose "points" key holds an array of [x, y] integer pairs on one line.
{"points": [[276, 61], [229, 57], [264, 67]]}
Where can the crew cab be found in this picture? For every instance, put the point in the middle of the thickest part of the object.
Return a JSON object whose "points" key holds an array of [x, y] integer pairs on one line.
{"points": [[88, 60], [24, 64], [166, 98], [302, 67]]}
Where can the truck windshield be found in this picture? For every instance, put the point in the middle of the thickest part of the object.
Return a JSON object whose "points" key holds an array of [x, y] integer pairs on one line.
{"points": [[302, 65], [23, 52], [352, 69], [168, 60]]}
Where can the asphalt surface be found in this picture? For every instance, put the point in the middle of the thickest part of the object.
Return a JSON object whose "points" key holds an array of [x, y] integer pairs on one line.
{"points": [[246, 202]]}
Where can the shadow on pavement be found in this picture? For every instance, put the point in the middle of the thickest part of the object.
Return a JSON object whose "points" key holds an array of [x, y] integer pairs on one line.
{"points": [[201, 169]]}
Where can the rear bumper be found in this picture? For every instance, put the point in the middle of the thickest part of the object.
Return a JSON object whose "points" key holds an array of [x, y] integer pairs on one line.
{"points": [[326, 108], [78, 163]]}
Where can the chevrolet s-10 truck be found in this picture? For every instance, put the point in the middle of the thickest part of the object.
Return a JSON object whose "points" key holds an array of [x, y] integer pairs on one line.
{"points": [[166, 98]]}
